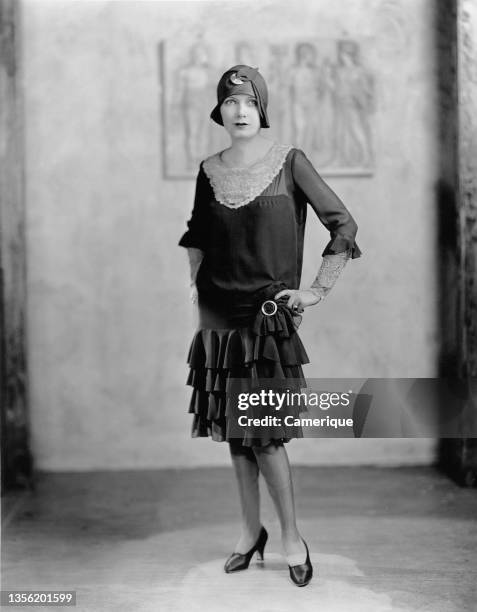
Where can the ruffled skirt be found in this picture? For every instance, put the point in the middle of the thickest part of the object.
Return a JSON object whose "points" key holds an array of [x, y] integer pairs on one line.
{"points": [[268, 350]]}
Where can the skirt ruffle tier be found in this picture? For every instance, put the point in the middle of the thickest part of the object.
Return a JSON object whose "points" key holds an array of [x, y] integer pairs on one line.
{"points": [[217, 358]]}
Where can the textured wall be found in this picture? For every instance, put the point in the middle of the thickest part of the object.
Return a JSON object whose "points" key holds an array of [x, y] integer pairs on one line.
{"points": [[108, 314]]}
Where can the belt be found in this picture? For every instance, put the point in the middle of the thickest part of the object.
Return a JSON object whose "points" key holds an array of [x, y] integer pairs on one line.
{"points": [[258, 310]]}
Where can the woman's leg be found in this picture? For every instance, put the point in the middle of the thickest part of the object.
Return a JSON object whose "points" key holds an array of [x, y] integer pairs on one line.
{"points": [[246, 472], [275, 467]]}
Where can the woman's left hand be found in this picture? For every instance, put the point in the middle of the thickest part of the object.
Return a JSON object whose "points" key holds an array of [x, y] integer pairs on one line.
{"points": [[299, 299]]}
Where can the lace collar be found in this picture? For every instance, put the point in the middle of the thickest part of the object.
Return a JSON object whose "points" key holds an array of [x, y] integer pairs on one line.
{"points": [[235, 187]]}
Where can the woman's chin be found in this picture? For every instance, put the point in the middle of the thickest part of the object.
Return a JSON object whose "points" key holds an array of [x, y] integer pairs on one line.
{"points": [[243, 133]]}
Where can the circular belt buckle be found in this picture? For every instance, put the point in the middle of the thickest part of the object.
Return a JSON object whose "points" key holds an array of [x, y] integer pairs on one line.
{"points": [[269, 308]]}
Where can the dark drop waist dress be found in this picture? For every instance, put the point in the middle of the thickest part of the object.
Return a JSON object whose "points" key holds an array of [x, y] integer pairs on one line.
{"points": [[250, 223]]}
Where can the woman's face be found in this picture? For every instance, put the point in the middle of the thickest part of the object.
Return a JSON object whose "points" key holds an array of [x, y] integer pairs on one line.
{"points": [[240, 115]]}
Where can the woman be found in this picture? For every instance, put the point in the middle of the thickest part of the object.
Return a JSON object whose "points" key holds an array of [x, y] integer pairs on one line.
{"points": [[245, 246]]}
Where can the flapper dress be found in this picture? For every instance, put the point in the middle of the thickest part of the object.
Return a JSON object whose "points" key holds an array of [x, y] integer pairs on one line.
{"points": [[249, 222]]}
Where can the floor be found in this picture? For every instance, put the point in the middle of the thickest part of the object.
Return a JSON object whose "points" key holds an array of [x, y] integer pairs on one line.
{"points": [[381, 540]]}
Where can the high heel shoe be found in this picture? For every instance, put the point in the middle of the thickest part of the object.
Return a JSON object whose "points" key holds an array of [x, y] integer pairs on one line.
{"points": [[238, 561], [301, 574]]}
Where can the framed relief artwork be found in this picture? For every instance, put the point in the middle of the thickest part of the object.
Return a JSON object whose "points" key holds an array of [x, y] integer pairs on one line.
{"points": [[321, 99]]}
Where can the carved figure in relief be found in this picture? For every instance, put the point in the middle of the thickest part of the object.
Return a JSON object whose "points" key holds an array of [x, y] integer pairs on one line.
{"points": [[278, 79], [245, 53], [304, 96], [353, 102], [195, 86]]}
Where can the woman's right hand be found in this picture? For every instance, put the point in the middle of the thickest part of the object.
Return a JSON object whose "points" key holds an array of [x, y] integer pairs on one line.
{"points": [[193, 293]]}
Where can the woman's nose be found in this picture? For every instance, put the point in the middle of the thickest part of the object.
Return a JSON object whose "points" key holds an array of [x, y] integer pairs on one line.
{"points": [[241, 111]]}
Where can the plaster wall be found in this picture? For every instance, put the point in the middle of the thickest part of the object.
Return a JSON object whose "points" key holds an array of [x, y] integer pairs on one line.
{"points": [[109, 321]]}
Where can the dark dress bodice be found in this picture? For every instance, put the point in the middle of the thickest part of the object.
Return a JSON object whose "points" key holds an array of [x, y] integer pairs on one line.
{"points": [[253, 250]]}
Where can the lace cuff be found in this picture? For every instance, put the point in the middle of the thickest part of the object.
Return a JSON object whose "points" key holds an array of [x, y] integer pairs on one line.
{"points": [[331, 267]]}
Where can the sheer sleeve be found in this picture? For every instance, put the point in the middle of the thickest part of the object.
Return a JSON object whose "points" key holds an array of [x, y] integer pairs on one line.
{"points": [[329, 208], [329, 272], [196, 235]]}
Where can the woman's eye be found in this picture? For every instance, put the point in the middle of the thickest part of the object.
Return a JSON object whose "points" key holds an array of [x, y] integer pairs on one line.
{"points": [[253, 102], [229, 101]]}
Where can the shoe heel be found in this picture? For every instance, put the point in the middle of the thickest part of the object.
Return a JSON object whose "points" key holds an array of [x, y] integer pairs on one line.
{"points": [[261, 545]]}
